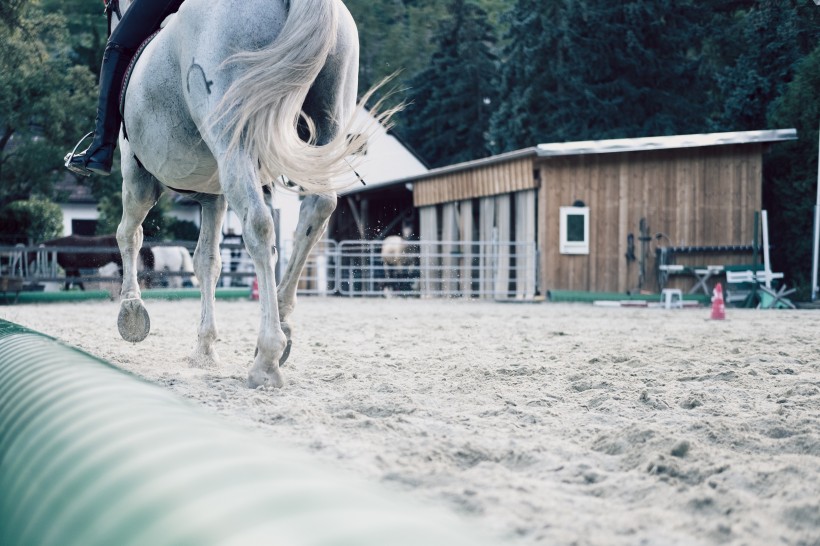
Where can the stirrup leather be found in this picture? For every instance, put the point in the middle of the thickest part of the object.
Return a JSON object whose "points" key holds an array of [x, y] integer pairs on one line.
{"points": [[77, 169]]}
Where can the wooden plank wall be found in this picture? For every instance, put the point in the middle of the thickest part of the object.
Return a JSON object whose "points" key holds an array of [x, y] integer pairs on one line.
{"points": [[497, 179], [695, 196]]}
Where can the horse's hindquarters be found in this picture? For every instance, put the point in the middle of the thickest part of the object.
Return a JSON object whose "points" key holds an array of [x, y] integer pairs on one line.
{"points": [[161, 133]]}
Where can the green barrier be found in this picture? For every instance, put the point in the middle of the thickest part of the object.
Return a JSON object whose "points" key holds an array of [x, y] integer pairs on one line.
{"points": [[92, 456], [63, 296], [187, 293], [571, 296], [150, 294]]}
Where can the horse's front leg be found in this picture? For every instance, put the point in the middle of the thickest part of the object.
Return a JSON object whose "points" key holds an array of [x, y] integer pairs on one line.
{"points": [[313, 217], [207, 267], [140, 192], [244, 194]]}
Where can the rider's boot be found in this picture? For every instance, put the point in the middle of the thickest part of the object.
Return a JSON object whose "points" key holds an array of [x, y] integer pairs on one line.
{"points": [[99, 156]]}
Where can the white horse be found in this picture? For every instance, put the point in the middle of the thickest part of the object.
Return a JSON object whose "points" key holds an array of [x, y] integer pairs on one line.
{"points": [[231, 96], [173, 259]]}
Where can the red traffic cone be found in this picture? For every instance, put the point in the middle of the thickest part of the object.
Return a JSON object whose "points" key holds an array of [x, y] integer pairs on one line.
{"points": [[255, 289], [718, 305]]}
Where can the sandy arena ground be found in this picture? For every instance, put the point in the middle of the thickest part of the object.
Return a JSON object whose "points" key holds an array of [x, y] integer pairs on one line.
{"points": [[538, 423]]}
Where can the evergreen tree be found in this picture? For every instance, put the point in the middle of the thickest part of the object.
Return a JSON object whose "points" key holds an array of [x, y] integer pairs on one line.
{"points": [[765, 37], [530, 73], [452, 99], [590, 70], [790, 172], [395, 37]]}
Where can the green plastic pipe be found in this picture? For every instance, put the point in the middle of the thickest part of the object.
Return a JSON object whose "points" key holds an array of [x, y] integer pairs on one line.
{"points": [[92, 456], [589, 297], [153, 294]]}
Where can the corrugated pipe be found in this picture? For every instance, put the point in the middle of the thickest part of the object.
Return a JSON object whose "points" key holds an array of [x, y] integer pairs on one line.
{"points": [[90, 455]]}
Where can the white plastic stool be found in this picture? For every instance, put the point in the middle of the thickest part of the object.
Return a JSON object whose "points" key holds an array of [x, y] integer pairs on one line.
{"points": [[672, 298]]}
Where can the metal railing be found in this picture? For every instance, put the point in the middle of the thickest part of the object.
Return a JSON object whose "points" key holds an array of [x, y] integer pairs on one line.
{"points": [[467, 269], [429, 269]]}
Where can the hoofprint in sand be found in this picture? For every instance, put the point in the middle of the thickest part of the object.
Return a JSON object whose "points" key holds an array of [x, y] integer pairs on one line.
{"points": [[539, 423]]}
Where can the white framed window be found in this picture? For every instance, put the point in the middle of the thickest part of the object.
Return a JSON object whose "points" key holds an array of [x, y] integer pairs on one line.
{"points": [[574, 230]]}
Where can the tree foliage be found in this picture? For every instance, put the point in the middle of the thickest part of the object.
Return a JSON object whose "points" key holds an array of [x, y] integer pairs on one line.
{"points": [[44, 98], [590, 70], [30, 221], [453, 96], [791, 172]]}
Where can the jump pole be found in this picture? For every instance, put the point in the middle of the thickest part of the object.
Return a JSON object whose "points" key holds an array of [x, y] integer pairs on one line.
{"points": [[816, 245], [92, 456]]}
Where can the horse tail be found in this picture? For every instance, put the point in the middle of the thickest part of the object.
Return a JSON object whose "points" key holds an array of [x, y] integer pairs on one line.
{"points": [[263, 107]]}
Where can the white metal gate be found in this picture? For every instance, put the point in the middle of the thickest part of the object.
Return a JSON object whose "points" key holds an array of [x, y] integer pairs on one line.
{"points": [[497, 270]]}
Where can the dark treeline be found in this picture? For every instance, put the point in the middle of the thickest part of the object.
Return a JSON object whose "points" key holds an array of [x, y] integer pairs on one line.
{"points": [[486, 76]]}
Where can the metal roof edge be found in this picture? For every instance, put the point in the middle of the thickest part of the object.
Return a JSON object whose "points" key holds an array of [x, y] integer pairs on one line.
{"points": [[663, 142]]}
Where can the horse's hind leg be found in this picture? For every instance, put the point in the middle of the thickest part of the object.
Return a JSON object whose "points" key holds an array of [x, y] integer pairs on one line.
{"points": [[331, 99], [207, 266], [140, 192], [313, 216], [240, 182]]}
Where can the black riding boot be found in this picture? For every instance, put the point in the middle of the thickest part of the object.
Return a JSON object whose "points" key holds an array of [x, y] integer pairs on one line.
{"points": [[99, 156]]}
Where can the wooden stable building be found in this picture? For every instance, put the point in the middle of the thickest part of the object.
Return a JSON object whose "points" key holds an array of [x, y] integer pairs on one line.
{"points": [[601, 214]]}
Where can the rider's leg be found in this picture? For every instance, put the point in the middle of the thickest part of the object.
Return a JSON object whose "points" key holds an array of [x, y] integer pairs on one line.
{"points": [[141, 19]]}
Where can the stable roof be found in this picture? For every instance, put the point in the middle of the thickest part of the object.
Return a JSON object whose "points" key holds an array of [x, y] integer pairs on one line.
{"points": [[587, 147], [663, 142]]}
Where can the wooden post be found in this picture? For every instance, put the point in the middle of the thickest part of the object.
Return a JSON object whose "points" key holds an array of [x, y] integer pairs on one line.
{"points": [[525, 253], [449, 233], [767, 267], [502, 268], [486, 227], [428, 219], [466, 277]]}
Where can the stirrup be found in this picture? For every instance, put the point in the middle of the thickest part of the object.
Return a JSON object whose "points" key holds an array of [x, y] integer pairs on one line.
{"points": [[76, 169]]}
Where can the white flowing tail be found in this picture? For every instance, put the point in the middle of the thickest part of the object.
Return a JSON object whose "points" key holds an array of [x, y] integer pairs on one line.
{"points": [[263, 106]]}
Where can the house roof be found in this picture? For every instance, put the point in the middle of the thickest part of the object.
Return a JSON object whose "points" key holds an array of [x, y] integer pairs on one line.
{"points": [[587, 147]]}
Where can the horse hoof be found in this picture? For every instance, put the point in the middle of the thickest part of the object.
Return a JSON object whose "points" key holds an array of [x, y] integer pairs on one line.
{"points": [[133, 321], [206, 360], [258, 379]]}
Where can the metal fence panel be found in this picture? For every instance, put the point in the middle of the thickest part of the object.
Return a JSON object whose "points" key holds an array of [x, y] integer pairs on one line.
{"points": [[439, 269], [320, 275], [427, 269]]}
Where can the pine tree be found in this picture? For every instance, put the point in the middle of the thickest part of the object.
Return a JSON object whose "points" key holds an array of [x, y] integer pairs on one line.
{"points": [[747, 84], [790, 173], [452, 99], [591, 70], [530, 72]]}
